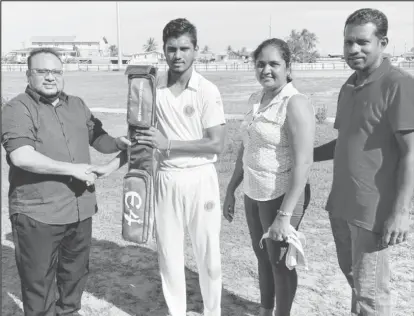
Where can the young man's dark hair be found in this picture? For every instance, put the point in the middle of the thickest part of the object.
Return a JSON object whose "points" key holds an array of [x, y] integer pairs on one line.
{"points": [[178, 27], [41, 50], [376, 17]]}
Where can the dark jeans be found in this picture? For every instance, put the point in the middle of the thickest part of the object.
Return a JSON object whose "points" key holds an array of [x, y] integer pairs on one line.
{"points": [[366, 267], [51, 258], [260, 215]]}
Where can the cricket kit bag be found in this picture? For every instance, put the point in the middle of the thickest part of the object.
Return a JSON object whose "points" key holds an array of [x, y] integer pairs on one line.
{"points": [[138, 219]]}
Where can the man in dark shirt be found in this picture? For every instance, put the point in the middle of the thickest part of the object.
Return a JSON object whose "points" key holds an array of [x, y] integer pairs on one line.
{"points": [[373, 177], [46, 134]]}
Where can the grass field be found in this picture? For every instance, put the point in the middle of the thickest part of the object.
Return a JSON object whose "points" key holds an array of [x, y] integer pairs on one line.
{"points": [[109, 89], [124, 277]]}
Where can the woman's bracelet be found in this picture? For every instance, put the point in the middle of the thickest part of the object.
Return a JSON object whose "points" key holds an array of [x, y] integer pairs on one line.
{"points": [[283, 213], [168, 148]]}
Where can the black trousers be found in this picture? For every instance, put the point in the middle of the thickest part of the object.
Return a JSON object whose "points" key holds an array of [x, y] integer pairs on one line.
{"points": [[260, 215], [51, 259]]}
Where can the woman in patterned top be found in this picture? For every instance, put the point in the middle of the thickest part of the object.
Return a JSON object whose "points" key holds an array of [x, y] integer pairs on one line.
{"points": [[274, 163]]}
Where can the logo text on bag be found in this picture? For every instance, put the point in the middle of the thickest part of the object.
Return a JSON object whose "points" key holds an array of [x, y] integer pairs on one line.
{"points": [[140, 92], [129, 201]]}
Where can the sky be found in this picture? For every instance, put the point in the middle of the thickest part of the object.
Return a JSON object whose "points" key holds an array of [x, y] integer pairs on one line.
{"points": [[219, 24]]}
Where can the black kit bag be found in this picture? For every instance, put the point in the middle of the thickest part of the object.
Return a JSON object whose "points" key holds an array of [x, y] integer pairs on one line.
{"points": [[138, 218]]}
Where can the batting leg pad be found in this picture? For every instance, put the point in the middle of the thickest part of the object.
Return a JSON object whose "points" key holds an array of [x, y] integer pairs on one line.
{"points": [[138, 188]]}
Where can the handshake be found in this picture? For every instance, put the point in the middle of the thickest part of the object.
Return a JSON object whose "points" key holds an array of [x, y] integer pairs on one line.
{"points": [[89, 173]]}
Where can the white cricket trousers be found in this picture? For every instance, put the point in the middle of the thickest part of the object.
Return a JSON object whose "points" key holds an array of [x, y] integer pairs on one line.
{"points": [[189, 197]]}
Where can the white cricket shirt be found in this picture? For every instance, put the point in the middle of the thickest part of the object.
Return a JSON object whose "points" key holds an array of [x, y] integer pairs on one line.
{"points": [[186, 117]]}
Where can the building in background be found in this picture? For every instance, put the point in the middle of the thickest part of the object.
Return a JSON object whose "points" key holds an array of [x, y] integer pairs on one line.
{"points": [[81, 47], [206, 57], [153, 57], [227, 56], [409, 56], [67, 46]]}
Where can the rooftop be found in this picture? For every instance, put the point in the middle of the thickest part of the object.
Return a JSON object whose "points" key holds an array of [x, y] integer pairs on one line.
{"points": [[52, 38], [62, 39], [29, 49]]}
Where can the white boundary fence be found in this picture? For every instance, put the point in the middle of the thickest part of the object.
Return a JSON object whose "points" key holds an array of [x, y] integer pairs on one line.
{"points": [[199, 67], [228, 116]]}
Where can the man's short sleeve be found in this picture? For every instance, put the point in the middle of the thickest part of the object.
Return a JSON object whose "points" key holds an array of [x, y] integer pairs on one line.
{"points": [[17, 126], [338, 112], [94, 125], [212, 110], [401, 105]]}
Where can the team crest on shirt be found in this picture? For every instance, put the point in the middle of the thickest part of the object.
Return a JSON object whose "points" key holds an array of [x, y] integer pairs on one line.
{"points": [[209, 206], [218, 101], [189, 110]]}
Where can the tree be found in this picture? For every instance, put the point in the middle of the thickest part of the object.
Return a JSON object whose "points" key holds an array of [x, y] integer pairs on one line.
{"points": [[206, 49], [229, 49], [150, 46], [76, 50], [309, 39], [412, 50], [113, 51], [303, 46]]}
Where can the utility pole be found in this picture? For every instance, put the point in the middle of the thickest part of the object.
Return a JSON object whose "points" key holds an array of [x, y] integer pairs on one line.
{"points": [[119, 36], [270, 27]]}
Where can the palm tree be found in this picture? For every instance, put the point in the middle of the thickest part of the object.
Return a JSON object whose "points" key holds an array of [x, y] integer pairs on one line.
{"points": [[150, 46], [229, 48], [206, 49], [113, 51], [294, 44], [302, 46], [309, 39]]}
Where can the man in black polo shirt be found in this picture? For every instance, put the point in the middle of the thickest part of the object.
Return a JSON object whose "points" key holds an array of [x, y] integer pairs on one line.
{"points": [[46, 134], [373, 177]]}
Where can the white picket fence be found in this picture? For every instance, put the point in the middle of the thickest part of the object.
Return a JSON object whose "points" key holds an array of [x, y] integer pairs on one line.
{"points": [[199, 67]]}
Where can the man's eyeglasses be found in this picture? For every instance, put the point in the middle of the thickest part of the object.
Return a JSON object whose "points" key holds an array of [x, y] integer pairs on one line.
{"points": [[46, 72]]}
